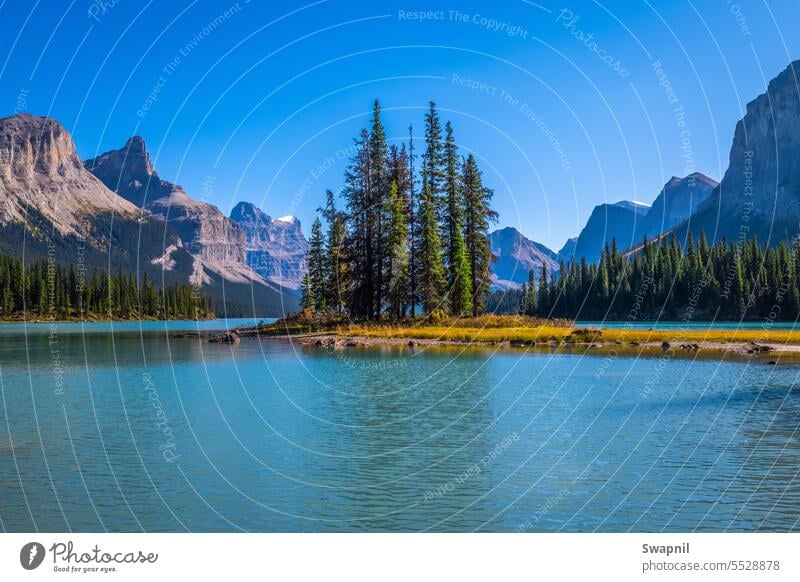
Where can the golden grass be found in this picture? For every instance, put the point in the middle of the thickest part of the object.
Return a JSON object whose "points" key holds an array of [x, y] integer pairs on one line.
{"points": [[494, 328], [544, 333]]}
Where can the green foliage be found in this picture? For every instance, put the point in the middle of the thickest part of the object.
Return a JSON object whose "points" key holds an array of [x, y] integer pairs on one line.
{"points": [[478, 217], [384, 253], [432, 276], [397, 252], [45, 289], [667, 281]]}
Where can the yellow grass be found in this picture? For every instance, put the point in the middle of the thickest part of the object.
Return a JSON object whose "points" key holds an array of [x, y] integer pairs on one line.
{"points": [[493, 328], [543, 333]]}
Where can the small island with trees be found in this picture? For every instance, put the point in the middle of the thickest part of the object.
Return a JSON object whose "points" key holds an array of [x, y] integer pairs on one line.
{"points": [[407, 259]]}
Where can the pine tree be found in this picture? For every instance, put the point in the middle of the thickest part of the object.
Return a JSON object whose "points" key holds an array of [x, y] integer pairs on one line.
{"points": [[412, 228], [317, 267], [459, 276], [478, 216], [432, 273], [397, 250], [336, 275], [378, 192], [434, 163]]}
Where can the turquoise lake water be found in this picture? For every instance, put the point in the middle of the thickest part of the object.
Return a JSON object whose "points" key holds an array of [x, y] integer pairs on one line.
{"points": [[133, 431]]}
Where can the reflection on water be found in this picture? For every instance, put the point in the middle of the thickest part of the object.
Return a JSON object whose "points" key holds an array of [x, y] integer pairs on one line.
{"points": [[132, 431]]}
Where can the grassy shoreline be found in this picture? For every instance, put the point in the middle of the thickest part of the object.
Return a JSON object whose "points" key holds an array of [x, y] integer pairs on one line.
{"points": [[523, 332]]}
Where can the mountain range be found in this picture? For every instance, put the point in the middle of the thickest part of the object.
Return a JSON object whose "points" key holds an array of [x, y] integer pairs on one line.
{"points": [[627, 222], [116, 211]]}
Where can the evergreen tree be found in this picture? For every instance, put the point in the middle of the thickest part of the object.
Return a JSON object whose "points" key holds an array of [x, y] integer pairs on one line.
{"points": [[478, 216], [397, 264], [336, 275], [432, 273], [317, 267], [459, 276], [434, 163]]}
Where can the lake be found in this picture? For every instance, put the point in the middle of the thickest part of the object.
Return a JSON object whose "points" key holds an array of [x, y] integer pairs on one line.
{"points": [[134, 431]]}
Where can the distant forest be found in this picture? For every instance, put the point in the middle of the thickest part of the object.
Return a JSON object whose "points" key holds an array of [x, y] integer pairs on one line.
{"points": [[46, 290], [668, 281]]}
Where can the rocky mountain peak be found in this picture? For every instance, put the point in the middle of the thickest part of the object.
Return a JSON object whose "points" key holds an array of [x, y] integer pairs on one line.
{"points": [[30, 144], [760, 192], [276, 249], [40, 171], [515, 256], [246, 212], [129, 171]]}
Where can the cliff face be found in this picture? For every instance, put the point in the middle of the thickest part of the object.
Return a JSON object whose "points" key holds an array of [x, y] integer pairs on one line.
{"points": [[40, 170], [760, 192], [677, 201], [620, 221], [276, 249], [515, 255], [206, 232], [51, 206]]}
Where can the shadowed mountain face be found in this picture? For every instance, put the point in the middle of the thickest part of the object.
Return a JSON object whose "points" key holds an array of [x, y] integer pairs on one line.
{"points": [[515, 256], [276, 249], [567, 252], [677, 201], [620, 221], [760, 192], [629, 222]]}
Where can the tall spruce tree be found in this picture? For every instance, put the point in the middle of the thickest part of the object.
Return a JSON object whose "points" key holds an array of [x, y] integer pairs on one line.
{"points": [[434, 164], [317, 267], [478, 216], [459, 276], [412, 228], [432, 273], [336, 276], [359, 248], [379, 184], [397, 251]]}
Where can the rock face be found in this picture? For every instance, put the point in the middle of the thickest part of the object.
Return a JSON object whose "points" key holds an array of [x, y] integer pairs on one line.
{"points": [[515, 255], [619, 221], [629, 222], [677, 201], [215, 242], [206, 232], [760, 192], [567, 252], [50, 206], [276, 249], [40, 170]]}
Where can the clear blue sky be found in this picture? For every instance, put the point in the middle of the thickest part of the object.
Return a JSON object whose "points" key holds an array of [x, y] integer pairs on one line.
{"points": [[260, 101]]}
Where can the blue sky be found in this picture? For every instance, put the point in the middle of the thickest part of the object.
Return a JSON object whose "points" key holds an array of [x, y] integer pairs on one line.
{"points": [[566, 105]]}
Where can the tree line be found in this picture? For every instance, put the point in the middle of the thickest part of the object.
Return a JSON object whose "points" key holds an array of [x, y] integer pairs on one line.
{"points": [[669, 281], [48, 290], [394, 250]]}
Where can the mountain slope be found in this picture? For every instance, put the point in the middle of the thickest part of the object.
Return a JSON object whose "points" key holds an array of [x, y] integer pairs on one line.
{"points": [[50, 206], [40, 169], [677, 201], [619, 221], [760, 192], [276, 249], [515, 255], [216, 243]]}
